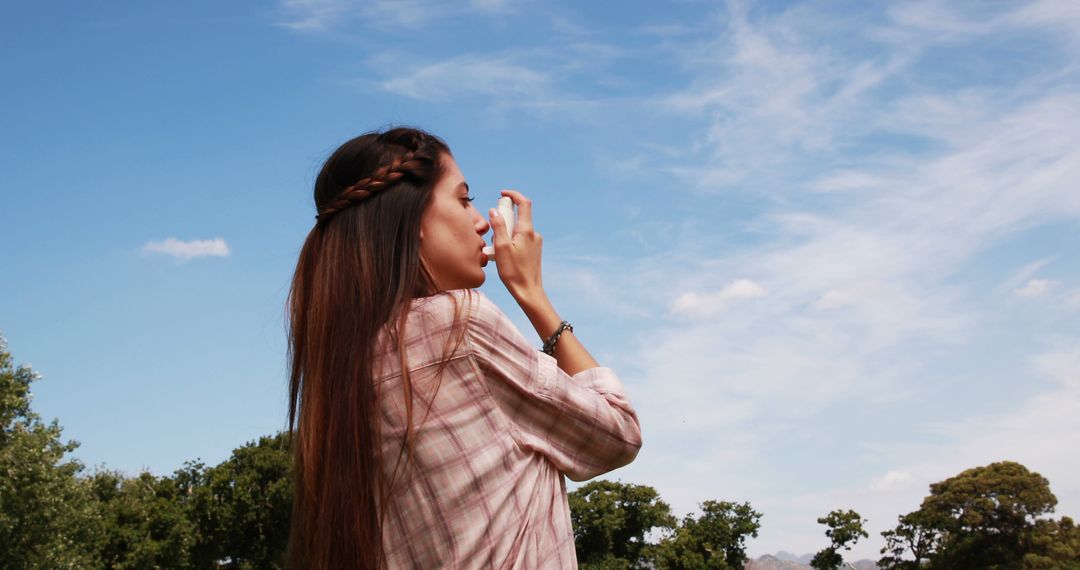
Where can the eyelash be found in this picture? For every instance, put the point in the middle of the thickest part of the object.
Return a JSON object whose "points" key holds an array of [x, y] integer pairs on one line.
{"points": [[470, 198]]}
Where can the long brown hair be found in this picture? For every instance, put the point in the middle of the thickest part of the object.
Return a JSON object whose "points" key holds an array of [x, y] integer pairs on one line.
{"points": [[358, 271]]}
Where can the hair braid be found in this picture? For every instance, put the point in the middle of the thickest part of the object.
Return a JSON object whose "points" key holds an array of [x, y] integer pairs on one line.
{"points": [[383, 178]]}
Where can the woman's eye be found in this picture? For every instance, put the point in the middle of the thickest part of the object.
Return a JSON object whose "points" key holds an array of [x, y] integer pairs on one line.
{"points": [[470, 198]]}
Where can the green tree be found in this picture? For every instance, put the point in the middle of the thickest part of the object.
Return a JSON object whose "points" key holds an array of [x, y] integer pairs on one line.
{"points": [[985, 517], [1055, 545], [193, 493], [240, 508], [914, 536], [844, 529], [145, 523], [715, 540], [233, 515], [47, 518], [611, 520]]}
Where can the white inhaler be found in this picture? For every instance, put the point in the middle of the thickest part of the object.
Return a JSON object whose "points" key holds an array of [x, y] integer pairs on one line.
{"points": [[506, 212]]}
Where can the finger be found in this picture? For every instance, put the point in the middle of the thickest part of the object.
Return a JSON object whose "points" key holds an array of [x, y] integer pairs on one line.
{"points": [[498, 229], [524, 210]]}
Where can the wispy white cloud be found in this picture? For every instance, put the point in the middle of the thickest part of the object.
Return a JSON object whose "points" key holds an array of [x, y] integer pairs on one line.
{"points": [[1036, 287], [491, 5], [844, 180], [469, 75], [1072, 300], [939, 20], [693, 304], [1024, 274], [186, 250], [775, 96], [404, 13], [323, 15], [890, 480], [848, 294], [311, 15], [539, 83]]}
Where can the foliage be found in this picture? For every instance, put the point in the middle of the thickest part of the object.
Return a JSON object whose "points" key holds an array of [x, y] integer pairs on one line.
{"points": [[716, 539], [828, 558], [1054, 545], [233, 515], [914, 534], [985, 517], [843, 529], [611, 520], [241, 508], [145, 523], [46, 515]]}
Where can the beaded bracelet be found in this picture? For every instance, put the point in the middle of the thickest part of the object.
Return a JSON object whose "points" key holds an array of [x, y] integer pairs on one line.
{"points": [[549, 344]]}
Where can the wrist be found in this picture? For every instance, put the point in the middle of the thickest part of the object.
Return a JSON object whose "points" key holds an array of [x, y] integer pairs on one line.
{"points": [[549, 344], [541, 313], [532, 300]]}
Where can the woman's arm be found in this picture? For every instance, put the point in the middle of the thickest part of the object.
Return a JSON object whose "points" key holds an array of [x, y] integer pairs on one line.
{"points": [[584, 423], [569, 352], [518, 262]]}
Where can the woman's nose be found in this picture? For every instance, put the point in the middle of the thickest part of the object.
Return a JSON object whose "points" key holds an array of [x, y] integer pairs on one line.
{"points": [[482, 225]]}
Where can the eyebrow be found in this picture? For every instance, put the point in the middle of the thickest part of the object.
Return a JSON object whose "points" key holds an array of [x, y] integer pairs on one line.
{"points": [[465, 184]]}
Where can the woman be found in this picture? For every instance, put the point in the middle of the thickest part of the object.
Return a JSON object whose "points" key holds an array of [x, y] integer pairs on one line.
{"points": [[428, 432]]}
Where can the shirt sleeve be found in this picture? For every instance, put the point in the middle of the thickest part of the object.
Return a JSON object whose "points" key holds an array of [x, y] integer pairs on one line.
{"points": [[584, 424]]}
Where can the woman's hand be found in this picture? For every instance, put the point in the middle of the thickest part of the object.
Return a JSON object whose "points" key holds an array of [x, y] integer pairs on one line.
{"points": [[518, 260], [517, 257]]}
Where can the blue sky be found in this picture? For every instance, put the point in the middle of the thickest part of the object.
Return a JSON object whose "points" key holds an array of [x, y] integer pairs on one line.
{"points": [[831, 248]]}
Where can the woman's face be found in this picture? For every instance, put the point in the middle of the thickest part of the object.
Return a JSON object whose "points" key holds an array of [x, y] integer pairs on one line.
{"points": [[451, 233]]}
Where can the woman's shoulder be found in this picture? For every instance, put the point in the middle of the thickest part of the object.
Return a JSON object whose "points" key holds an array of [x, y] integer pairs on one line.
{"points": [[473, 305], [436, 322], [485, 324]]}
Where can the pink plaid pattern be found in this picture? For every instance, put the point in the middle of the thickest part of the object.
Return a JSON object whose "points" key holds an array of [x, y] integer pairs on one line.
{"points": [[485, 488]]}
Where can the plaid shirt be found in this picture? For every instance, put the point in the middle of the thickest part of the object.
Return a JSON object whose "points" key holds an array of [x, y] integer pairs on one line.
{"points": [[485, 488]]}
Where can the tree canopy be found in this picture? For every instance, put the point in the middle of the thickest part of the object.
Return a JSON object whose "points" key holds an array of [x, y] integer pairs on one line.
{"points": [[843, 529], [53, 515], [612, 521], [716, 539], [986, 517], [46, 515]]}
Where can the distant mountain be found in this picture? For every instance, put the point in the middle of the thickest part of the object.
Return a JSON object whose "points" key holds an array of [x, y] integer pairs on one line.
{"points": [[769, 562], [788, 561], [790, 557]]}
